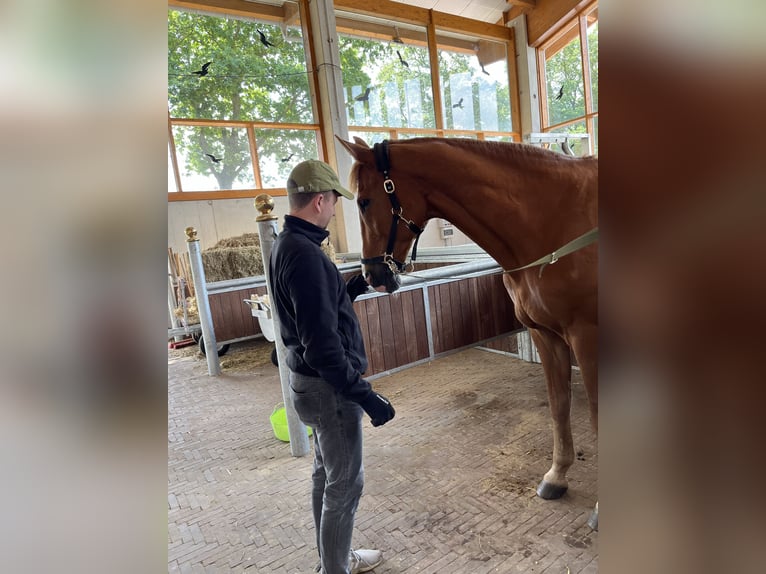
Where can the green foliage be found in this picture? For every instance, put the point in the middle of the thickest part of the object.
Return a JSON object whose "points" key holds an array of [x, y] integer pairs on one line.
{"points": [[401, 96], [564, 70], [247, 81]]}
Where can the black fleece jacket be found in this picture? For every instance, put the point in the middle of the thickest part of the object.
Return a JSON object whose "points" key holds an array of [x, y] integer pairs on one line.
{"points": [[317, 321]]}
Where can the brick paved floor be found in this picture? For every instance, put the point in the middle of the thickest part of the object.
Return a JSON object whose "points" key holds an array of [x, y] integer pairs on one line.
{"points": [[449, 482]]}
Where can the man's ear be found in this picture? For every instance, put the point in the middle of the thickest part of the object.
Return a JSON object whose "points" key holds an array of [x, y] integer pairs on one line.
{"points": [[318, 201]]}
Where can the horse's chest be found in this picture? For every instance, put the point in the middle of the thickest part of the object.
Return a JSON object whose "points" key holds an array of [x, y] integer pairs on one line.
{"points": [[531, 308]]}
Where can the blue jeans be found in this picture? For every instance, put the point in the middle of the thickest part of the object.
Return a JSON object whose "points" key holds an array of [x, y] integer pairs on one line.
{"points": [[338, 475]]}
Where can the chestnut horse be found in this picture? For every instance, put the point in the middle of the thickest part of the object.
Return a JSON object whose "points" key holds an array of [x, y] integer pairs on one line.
{"points": [[519, 203]]}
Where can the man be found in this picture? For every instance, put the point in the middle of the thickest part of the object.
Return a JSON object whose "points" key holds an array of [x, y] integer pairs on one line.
{"points": [[326, 358]]}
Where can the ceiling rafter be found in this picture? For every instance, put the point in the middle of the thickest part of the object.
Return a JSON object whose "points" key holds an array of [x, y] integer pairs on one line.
{"points": [[522, 3]]}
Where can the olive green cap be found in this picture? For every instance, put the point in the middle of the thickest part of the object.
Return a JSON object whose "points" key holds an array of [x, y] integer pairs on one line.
{"points": [[314, 176]]}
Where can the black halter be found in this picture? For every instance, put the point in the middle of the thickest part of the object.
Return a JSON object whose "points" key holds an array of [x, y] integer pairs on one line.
{"points": [[382, 163]]}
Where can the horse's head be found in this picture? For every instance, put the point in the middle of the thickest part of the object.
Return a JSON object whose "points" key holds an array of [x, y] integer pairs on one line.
{"points": [[387, 232]]}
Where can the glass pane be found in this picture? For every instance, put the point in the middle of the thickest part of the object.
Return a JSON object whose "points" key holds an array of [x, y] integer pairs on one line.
{"points": [[592, 19], [369, 137], [474, 82], [213, 158], [563, 78], [579, 146], [386, 83], [410, 135], [508, 139], [244, 79], [171, 178], [466, 136], [280, 150]]}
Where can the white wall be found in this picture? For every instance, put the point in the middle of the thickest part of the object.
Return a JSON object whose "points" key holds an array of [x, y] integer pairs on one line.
{"points": [[214, 220], [222, 218]]}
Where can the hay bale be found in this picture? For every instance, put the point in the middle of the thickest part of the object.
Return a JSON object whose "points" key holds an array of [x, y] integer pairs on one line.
{"points": [[329, 249], [246, 240], [192, 313], [237, 257], [233, 258]]}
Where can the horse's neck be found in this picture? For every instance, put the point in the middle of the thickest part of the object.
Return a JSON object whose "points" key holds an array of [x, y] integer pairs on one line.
{"points": [[501, 224]]}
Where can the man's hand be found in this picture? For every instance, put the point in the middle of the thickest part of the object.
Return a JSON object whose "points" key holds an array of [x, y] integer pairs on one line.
{"points": [[379, 408], [356, 286]]}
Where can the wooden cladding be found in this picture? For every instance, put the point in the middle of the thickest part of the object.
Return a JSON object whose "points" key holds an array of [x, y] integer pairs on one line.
{"points": [[394, 330], [232, 318], [470, 310], [401, 328]]}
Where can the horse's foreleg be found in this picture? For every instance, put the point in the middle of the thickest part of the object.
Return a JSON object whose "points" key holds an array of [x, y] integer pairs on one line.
{"points": [[554, 354], [584, 341]]}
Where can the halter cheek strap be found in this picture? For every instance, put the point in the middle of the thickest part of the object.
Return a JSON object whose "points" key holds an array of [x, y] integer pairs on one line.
{"points": [[382, 162]]}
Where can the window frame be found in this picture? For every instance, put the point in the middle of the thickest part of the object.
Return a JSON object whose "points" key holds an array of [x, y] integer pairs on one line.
{"points": [[555, 43], [395, 13]]}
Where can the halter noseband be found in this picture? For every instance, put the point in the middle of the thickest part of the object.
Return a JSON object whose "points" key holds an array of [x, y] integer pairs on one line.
{"points": [[382, 163]]}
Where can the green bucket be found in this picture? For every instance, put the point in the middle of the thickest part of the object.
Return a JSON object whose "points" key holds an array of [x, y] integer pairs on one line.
{"points": [[278, 420]]}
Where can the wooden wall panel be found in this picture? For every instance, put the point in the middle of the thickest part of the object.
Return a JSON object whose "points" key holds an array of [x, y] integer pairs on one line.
{"points": [[232, 318], [393, 327], [400, 336], [419, 320], [408, 321], [447, 329], [374, 347], [387, 333], [507, 344], [484, 303], [434, 300]]}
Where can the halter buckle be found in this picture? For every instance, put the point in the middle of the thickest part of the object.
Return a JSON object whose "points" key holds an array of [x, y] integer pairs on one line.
{"points": [[389, 260], [389, 186]]}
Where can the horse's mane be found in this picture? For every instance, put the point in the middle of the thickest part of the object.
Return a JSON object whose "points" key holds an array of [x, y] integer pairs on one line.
{"points": [[492, 150], [489, 149]]}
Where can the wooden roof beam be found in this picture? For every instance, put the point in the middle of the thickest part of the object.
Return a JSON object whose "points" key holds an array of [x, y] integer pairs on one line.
{"points": [[522, 3], [398, 12], [233, 8]]}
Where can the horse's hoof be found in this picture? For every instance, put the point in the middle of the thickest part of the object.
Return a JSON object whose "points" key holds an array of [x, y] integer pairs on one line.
{"points": [[593, 520], [549, 491]]}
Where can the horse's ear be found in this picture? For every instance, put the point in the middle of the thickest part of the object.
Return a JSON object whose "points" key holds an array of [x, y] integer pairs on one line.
{"points": [[360, 151]]}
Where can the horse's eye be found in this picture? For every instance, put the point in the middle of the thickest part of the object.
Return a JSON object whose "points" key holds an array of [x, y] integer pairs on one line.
{"points": [[363, 203]]}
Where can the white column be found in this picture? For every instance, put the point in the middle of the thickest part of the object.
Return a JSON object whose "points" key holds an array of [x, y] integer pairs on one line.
{"points": [[526, 62], [267, 232], [330, 79], [203, 305]]}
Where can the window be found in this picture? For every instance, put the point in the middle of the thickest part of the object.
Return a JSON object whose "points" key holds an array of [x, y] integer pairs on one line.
{"points": [[568, 68], [474, 83], [386, 77], [239, 101], [388, 85]]}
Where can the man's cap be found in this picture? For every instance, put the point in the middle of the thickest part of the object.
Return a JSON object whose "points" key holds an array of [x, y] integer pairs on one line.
{"points": [[314, 176]]}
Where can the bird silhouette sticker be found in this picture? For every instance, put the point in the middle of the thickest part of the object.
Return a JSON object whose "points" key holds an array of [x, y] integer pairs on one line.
{"points": [[402, 60], [264, 40], [566, 148], [560, 94], [288, 158], [365, 97], [203, 71], [483, 70], [459, 104], [215, 159]]}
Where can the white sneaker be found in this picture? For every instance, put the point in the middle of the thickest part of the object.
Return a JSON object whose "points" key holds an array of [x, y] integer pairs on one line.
{"points": [[364, 560]]}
